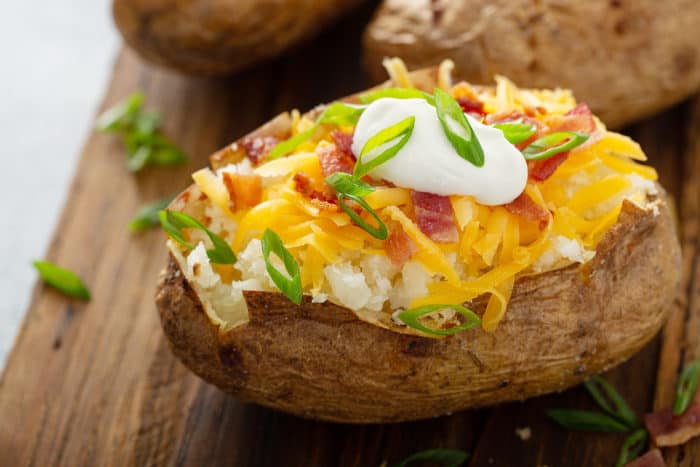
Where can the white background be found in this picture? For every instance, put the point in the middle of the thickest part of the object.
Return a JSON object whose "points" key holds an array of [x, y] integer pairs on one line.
{"points": [[56, 57]]}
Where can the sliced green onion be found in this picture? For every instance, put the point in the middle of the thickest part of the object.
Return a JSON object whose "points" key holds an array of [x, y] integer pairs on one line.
{"points": [[553, 144], [583, 420], [411, 319], [338, 113], [380, 231], [346, 183], [611, 401], [632, 448], [687, 385], [516, 132], [396, 93], [62, 279], [147, 216], [441, 456], [173, 222], [457, 128], [387, 142], [289, 286], [121, 116]]}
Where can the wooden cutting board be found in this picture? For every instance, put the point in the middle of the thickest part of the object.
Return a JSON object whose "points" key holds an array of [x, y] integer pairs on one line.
{"points": [[96, 384]]}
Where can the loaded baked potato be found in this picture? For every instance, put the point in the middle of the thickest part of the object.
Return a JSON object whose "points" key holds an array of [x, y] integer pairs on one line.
{"points": [[626, 59], [218, 37], [301, 277]]}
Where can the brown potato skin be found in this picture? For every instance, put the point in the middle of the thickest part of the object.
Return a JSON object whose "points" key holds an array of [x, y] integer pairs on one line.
{"points": [[215, 37], [321, 361], [626, 59]]}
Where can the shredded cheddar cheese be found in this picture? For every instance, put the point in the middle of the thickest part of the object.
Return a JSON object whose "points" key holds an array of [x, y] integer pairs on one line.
{"points": [[583, 197]]}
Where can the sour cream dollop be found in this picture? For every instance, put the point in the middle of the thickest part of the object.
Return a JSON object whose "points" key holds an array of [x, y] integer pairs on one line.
{"points": [[429, 163]]}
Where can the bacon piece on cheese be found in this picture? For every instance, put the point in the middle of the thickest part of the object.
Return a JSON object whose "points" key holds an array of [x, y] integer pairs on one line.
{"points": [[334, 160], [343, 141], [434, 216], [525, 207], [667, 429], [245, 191], [399, 246], [257, 147]]}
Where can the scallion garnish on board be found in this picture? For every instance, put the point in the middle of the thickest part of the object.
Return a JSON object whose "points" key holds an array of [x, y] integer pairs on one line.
{"points": [[173, 222], [443, 457], [516, 132], [585, 420], [457, 128], [62, 279], [687, 385], [289, 284], [396, 93], [147, 216], [337, 113], [412, 319], [139, 130], [553, 144], [611, 401], [387, 143], [633, 446]]}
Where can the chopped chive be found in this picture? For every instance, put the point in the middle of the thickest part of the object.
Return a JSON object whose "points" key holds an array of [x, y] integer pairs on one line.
{"points": [[457, 128], [173, 222], [62, 279], [553, 144], [387, 142], [411, 319], [289, 286]]}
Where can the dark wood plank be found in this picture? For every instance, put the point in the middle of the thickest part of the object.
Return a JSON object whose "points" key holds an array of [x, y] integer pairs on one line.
{"points": [[681, 337], [97, 385]]}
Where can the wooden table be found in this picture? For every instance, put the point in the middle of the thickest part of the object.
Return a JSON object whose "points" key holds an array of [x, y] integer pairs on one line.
{"points": [[97, 385]]}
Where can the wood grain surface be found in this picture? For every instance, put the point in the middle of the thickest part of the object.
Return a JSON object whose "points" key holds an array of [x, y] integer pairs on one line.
{"points": [[95, 384]]}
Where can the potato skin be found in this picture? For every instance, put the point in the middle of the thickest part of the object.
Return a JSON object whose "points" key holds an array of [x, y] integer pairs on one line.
{"points": [[321, 361], [220, 36], [626, 59]]}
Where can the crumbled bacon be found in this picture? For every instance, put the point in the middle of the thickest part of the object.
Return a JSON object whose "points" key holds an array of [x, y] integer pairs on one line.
{"points": [[542, 170], [245, 191], [524, 206], [667, 429], [580, 118], [257, 147], [334, 160], [473, 107], [343, 141], [399, 246], [652, 458], [434, 216], [303, 184], [324, 200]]}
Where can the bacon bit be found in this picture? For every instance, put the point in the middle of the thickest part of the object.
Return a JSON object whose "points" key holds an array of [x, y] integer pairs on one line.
{"points": [[525, 207], [245, 191], [334, 160], [473, 107], [652, 458], [343, 141], [434, 216], [542, 170], [303, 184], [580, 118], [667, 429], [324, 200], [399, 246], [257, 147]]}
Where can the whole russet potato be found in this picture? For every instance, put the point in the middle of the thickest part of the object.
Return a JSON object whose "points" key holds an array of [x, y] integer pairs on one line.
{"points": [[626, 58], [220, 36]]}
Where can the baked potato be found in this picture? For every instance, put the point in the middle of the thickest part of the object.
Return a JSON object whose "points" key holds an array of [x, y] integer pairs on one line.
{"points": [[220, 37], [626, 59], [585, 282]]}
